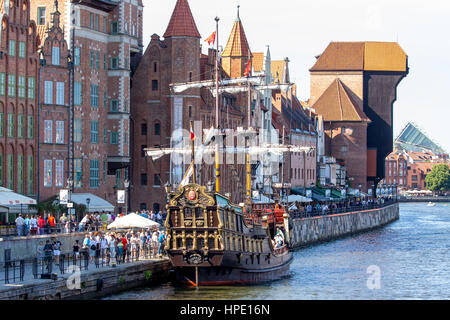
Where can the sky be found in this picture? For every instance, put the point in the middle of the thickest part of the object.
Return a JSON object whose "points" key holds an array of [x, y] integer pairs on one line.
{"points": [[300, 30]]}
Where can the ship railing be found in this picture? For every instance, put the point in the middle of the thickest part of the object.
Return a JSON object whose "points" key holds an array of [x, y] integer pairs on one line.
{"points": [[280, 250]]}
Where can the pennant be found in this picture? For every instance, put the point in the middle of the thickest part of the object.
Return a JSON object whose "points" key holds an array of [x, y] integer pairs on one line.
{"points": [[211, 38], [192, 133], [187, 175], [248, 69]]}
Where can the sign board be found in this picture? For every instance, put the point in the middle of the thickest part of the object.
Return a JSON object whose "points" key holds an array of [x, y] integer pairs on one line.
{"points": [[343, 193], [72, 211], [69, 205], [63, 196], [369, 192], [120, 196], [309, 193], [328, 193]]}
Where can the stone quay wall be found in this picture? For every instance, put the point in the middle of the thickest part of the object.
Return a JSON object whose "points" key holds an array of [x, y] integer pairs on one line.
{"points": [[313, 230], [26, 247], [93, 284]]}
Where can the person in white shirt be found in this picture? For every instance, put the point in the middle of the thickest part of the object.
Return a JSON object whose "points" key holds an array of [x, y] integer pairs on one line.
{"points": [[20, 224], [33, 225], [104, 245]]}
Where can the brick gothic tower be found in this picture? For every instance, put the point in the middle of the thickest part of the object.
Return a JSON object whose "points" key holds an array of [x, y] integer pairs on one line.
{"points": [[156, 112], [237, 51]]}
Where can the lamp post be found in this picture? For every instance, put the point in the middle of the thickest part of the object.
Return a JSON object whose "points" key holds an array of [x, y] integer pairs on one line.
{"points": [[126, 184], [88, 201], [69, 188]]}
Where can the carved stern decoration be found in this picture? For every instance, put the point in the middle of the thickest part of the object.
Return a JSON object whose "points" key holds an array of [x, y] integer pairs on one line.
{"points": [[193, 224]]}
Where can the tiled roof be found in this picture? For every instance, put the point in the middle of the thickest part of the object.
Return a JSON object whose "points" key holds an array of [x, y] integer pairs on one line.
{"points": [[336, 104], [362, 56], [41, 34], [237, 45], [182, 22]]}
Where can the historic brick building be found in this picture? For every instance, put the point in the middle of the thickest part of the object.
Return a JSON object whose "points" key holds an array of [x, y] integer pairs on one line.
{"points": [[367, 73], [105, 39], [19, 64], [54, 115]]}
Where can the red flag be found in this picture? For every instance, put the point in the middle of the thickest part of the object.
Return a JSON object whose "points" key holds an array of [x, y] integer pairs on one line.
{"points": [[192, 134], [211, 38], [248, 69]]}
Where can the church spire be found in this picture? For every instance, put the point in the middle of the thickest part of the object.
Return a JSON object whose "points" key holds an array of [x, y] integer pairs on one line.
{"points": [[182, 22], [237, 45]]}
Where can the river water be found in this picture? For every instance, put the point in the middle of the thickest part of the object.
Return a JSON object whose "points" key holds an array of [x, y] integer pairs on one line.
{"points": [[407, 259]]}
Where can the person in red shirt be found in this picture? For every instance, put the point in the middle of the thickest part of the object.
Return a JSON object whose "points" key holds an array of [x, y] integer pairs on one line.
{"points": [[124, 242], [51, 222], [41, 225]]}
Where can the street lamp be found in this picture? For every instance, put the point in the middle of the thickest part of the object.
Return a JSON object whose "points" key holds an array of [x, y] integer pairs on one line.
{"points": [[88, 201], [126, 184], [69, 187]]}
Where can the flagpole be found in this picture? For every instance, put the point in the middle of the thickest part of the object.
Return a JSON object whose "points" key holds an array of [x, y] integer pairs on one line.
{"points": [[192, 155], [217, 106]]}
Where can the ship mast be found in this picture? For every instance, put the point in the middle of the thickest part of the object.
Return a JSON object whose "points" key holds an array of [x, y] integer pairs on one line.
{"points": [[217, 106]]}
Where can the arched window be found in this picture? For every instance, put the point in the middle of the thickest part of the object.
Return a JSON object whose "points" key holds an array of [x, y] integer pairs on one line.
{"points": [[157, 128]]}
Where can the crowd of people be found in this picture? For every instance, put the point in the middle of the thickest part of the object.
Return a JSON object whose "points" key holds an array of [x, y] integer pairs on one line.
{"points": [[67, 223], [107, 248]]}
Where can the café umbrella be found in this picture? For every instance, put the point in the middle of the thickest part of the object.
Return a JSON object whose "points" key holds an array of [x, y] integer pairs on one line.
{"points": [[9, 198], [132, 220]]}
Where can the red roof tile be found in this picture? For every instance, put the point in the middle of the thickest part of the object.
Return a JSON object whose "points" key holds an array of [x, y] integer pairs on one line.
{"points": [[182, 22], [237, 45]]}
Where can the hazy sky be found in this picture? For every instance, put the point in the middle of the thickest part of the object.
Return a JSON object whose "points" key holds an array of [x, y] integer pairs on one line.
{"points": [[302, 29]]}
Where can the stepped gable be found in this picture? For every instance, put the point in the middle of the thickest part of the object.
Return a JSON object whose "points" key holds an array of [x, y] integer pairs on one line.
{"points": [[182, 23]]}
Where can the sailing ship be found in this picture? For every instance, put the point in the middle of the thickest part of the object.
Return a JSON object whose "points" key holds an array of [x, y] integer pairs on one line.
{"points": [[212, 241]]}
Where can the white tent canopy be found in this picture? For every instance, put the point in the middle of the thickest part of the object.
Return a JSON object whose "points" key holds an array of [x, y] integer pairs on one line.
{"points": [[96, 204], [132, 220], [298, 198], [10, 198], [262, 199]]}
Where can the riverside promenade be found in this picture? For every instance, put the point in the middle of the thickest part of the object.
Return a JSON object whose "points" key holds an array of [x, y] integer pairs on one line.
{"points": [[92, 283]]}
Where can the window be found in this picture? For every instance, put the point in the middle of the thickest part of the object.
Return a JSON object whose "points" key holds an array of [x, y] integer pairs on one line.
{"points": [[157, 180], [48, 173], [97, 23], [30, 127], [105, 62], [22, 49], [91, 20], [94, 131], [156, 207], [21, 92], [157, 129], [11, 85], [41, 16], [104, 171], [31, 87], [143, 147], [59, 132], [105, 100], [155, 67], [59, 173], [78, 172], [12, 48], [30, 174], [143, 179], [114, 27], [55, 56], [78, 93], [104, 24], [2, 124], [143, 206], [10, 176], [2, 83], [94, 96], [114, 105], [48, 95], [144, 129], [91, 53], [77, 56], [21, 126], [105, 139], [48, 131], [114, 63], [93, 177], [11, 125], [114, 138], [20, 173], [97, 60], [155, 85], [78, 130], [60, 93]]}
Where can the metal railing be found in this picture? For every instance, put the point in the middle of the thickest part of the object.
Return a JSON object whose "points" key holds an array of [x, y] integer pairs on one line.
{"points": [[16, 271], [340, 209]]}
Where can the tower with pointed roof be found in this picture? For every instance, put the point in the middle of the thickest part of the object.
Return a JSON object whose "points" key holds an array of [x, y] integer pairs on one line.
{"points": [[237, 52]]}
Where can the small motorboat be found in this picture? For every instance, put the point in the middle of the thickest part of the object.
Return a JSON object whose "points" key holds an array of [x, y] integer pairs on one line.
{"points": [[431, 204]]}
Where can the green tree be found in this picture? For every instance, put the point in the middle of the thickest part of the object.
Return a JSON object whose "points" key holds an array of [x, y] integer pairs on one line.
{"points": [[439, 178]]}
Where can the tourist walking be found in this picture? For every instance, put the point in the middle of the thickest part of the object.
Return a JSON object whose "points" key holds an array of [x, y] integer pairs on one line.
{"points": [[48, 255], [33, 225], [76, 251], [26, 230], [40, 252], [20, 225], [112, 250], [57, 250], [41, 225]]}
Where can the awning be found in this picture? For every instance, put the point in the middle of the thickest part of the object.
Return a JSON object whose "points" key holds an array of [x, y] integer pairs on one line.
{"points": [[297, 198], [132, 220], [262, 199], [10, 198], [95, 204]]}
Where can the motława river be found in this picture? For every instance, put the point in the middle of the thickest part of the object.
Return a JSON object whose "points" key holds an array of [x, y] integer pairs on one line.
{"points": [[408, 259]]}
